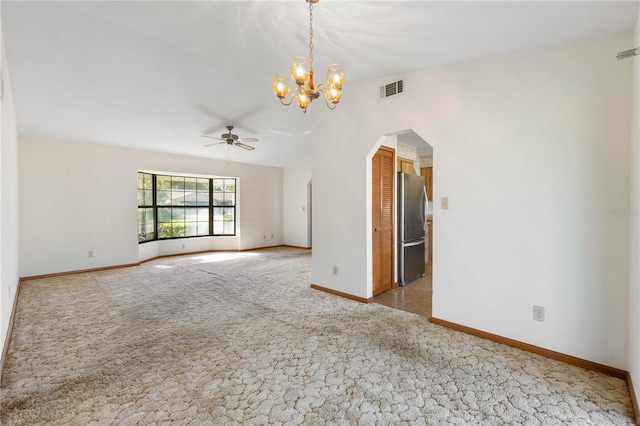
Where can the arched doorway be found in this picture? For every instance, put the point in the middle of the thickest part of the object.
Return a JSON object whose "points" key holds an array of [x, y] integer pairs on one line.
{"points": [[413, 155]]}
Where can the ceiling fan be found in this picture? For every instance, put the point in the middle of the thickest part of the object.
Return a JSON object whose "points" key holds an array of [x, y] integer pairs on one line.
{"points": [[231, 139]]}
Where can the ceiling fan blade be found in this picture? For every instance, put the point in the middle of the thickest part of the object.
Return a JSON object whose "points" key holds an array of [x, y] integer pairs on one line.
{"points": [[215, 143], [212, 137], [241, 145], [248, 140]]}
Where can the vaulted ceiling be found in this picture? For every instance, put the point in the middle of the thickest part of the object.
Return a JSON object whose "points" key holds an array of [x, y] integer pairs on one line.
{"points": [[155, 75]]}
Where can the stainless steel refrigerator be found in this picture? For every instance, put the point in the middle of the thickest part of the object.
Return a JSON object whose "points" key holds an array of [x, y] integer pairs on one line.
{"points": [[412, 199]]}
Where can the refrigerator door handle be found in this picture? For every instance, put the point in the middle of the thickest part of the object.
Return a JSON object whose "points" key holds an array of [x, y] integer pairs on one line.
{"points": [[423, 209], [416, 243]]}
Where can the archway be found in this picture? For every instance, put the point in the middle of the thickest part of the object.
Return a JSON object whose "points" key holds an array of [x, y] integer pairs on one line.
{"points": [[413, 156]]}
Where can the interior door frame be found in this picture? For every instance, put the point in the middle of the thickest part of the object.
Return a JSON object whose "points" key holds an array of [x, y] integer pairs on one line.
{"points": [[309, 213]]}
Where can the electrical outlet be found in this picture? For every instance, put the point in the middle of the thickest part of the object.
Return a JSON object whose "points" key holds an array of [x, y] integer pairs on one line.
{"points": [[335, 270], [444, 203], [90, 253], [264, 237], [538, 313], [182, 245], [272, 236]]}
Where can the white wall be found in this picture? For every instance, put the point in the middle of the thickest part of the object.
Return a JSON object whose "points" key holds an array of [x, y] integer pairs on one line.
{"points": [[8, 202], [77, 197], [532, 153], [296, 178], [634, 208]]}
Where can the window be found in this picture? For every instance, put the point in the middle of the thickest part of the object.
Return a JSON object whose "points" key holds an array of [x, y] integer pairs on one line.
{"points": [[185, 206], [224, 210], [146, 222]]}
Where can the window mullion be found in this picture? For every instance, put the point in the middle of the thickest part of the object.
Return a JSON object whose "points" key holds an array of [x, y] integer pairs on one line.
{"points": [[210, 206], [154, 197]]}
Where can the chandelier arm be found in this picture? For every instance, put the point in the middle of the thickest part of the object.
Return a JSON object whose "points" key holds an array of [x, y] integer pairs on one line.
{"points": [[286, 103], [323, 89], [293, 96]]}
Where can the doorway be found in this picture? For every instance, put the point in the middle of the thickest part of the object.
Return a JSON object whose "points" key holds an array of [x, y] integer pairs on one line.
{"points": [[415, 156]]}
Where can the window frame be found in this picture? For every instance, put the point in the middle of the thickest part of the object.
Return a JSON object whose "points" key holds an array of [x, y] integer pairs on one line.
{"points": [[197, 208], [223, 206], [146, 206]]}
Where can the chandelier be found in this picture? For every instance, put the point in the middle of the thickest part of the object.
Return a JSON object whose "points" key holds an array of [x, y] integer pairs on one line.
{"points": [[302, 73]]}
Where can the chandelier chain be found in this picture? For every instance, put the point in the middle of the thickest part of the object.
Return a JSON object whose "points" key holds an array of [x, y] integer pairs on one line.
{"points": [[311, 35]]}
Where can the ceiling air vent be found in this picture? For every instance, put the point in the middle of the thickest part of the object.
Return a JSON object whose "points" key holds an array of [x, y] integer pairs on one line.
{"points": [[392, 89]]}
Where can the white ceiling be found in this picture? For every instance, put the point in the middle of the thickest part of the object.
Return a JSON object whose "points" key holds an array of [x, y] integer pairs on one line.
{"points": [[156, 75]]}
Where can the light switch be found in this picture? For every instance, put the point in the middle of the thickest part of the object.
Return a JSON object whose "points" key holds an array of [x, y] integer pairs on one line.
{"points": [[444, 203]]}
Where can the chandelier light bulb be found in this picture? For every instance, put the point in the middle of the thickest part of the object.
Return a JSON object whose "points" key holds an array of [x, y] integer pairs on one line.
{"points": [[303, 100], [280, 85], [335, 76], [300, 70], [335, 95]]}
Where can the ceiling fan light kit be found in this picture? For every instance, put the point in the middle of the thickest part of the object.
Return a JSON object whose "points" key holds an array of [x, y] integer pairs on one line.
{"points": [[302, 73]]}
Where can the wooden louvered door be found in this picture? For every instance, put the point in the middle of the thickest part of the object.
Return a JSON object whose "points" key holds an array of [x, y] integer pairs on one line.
{"points": [[382, 219]]}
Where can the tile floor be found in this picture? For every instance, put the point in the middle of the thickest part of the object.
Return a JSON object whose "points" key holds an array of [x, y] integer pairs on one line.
{"points": [[414, 297]]}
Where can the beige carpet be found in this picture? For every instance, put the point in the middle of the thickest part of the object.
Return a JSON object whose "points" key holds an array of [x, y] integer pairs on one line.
{"points": [[240, 338]]}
